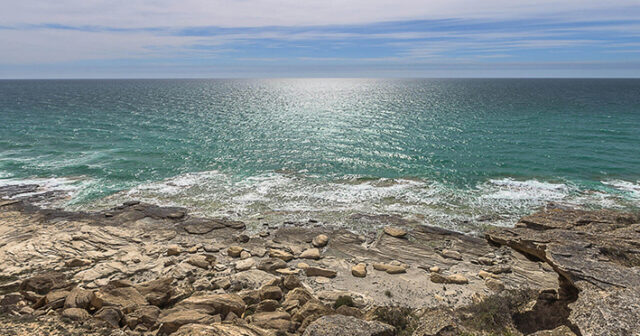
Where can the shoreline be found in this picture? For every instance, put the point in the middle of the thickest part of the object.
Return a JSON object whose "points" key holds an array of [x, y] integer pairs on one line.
{"points": [[558, 269]]}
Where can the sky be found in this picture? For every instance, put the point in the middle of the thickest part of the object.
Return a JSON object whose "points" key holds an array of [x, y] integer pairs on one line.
{"points": [[311, 38]]}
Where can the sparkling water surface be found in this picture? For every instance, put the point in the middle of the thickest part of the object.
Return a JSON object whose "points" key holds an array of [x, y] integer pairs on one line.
{"points": [[456, 153]]}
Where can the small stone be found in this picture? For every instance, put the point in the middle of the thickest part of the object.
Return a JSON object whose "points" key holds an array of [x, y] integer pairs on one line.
{"points": [[235, 251], [173, 250], [389, 268], [291, 281], [434, 269], [312, 253], [75, 262], [320, 240], [270, 293], [245, 255], [359, 270], [243, 238], [302, 265], [451, 254], [485, 275], [280, 254], [286, 271], [245, 264], [199, 261], [485, 261], [449, 279], [322, 272], [271, 264], [395, 232], [77, 314]]}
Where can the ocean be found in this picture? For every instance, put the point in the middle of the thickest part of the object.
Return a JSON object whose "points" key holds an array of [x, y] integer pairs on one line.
{"points": [[455, 153]]}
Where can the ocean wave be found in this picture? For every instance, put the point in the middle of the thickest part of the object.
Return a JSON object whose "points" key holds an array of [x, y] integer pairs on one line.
{"points": [[65, 188]]}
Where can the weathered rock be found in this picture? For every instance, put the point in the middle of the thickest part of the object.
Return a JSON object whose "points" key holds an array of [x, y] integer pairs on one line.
{"points": [[218, 329], [300, 295], [559, 331], [494, 284], [111, 315], [266, 306], [340, 325], [172, 321], [173, 250], [391, 269], [75, 262], [280, 254], [320, 240], [395, 231], [349, 311], [245, 255], [243, 265], [125, 298], [596, 253], [322, 272], [451, 254], [44, 283], [312, 253], [157, 292], [359, 270], [235, 251], [271, 264], [270, 293], [449, 279], [201, 225], [143, 315], [214, 304], [200, 261], [77, 314], [81, 298], [291, 281], [271, 320]]}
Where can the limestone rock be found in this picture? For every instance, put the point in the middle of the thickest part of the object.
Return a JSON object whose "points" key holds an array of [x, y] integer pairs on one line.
{"points": [[77, 314], [395, 231], [320, 240], [322, 272], [340, 325], [359, 270], [312, 253], [280, 254], [449, 279]]}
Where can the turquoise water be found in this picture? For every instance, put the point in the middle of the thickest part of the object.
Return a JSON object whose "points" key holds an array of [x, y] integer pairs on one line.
{"points": [[444, 152]]}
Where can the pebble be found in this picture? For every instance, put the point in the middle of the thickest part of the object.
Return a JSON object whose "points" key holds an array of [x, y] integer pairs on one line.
{"points": [[234, 251], [395, 232], [451, 254], [320, 240], [312, 253], [173, 250], [359, 270]]}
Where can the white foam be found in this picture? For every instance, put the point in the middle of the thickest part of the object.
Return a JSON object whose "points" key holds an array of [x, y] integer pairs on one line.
{"points": [[629, 188], [65, 185]]}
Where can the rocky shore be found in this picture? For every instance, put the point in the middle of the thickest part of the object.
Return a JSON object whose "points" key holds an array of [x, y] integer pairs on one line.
{"points": [[140, 269]]}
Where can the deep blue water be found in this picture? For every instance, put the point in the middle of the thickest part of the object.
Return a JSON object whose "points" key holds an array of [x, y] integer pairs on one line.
{"points": [[435, 151]]}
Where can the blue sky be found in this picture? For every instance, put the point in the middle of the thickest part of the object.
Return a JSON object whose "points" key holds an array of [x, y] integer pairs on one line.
{"points": [[267, 38]]}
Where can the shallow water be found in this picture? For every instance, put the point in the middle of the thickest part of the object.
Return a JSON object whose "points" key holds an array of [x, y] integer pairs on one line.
{"points": [[443, 152]]}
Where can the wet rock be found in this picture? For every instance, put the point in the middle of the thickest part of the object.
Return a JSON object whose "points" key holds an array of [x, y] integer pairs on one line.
{"points": [[359, 270], [322, 272], [395, 231], [320, 240], [340, 325], [200, 226], [280, 254]]}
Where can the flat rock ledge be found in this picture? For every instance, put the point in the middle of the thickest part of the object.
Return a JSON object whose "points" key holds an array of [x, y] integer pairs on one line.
{"points": [[140, 269]]}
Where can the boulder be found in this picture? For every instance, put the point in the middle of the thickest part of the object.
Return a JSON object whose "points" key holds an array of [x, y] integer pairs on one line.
{"points": [[110, 315], [143, 315], [340, 325], [270, 293], [125, 298], [311, 309], [320, 240]]}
